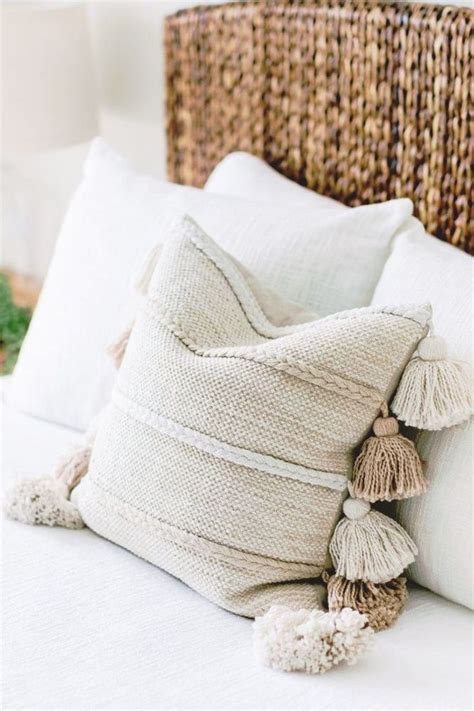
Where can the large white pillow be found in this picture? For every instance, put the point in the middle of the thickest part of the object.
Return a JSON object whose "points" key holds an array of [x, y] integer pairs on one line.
{"points": [[440, 521], [324, 260], [245, 176]]}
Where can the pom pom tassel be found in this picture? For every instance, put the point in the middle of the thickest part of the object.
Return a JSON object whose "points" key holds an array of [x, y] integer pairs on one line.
{"points": [[367, 545], [42, 501], [46, 500], [117, 350], [381, 603], [310, 641], [388, 467], [433, 392]]}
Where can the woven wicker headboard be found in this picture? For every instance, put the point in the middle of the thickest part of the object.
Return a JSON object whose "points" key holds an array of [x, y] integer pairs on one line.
{"points": [[357, 100]]}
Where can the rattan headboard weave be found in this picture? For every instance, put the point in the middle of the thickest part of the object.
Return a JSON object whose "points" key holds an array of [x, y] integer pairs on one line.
{"points": [[357, 100]]}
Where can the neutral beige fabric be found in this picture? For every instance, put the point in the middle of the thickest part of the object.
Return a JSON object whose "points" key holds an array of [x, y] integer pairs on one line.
{"points": [[224, 454]]}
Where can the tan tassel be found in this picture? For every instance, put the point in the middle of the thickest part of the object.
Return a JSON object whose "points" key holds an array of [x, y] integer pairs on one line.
{"points": [[367, 545], [388, 467], [117, 350], [381, 603], [433, 392]]}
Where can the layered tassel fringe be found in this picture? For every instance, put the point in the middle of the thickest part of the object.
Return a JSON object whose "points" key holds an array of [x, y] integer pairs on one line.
{"points": [[310, 641], [388, 467], [369, 546], [381, 603], [434, 392], [369, 550]]}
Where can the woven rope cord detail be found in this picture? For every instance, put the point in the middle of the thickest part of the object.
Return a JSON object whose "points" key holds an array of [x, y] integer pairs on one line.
{"points": [[296, 368], [184, 539], [242, 292], [187, 229], [236, 455]]}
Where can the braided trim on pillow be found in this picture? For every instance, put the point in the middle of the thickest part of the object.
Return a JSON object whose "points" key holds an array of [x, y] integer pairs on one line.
{"points": [[228, 452], [184, 539], [188, 228], [319, 377]]}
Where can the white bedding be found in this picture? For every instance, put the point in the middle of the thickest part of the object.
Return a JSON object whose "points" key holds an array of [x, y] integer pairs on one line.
{"points": [[87, 625]]}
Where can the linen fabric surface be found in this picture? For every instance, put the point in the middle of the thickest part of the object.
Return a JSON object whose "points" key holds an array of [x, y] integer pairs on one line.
{"points": [[324, 261], [441, 520], [224, 454], [159, 645], [243, 175]]}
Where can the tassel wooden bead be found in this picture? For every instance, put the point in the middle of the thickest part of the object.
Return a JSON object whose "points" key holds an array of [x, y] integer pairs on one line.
{"points": [[388, 467], [433, 392], [380, 603], [371, 547], [432, 348], [355, 509], [386, 427]]}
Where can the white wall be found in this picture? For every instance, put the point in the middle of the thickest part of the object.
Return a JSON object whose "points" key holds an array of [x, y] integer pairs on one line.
{"points": [[127, 41]]}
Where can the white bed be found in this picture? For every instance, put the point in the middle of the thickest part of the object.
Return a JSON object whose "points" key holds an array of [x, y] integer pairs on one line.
{"points": [[75, 604]]}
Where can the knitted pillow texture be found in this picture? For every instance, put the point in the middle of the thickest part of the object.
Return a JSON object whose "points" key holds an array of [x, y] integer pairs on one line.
{"points": [[225, 453]]}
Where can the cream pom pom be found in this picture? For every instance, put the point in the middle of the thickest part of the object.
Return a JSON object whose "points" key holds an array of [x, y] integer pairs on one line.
{"points": [[311, 641], [42, 501]]}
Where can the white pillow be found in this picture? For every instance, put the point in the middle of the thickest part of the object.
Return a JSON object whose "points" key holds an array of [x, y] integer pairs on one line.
{"points": [[440, 521], [245, 176], [324, 260]]}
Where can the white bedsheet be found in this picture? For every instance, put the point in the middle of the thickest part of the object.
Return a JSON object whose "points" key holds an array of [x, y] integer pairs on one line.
{"points": [[87, 625]]}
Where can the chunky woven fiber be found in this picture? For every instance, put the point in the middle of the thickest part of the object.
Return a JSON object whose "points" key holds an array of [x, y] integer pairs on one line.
{"points": [[359, 100], [224, 455]]}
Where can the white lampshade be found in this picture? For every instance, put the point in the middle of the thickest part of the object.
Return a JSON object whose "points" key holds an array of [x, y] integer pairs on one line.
{"points": [[48, 88]]}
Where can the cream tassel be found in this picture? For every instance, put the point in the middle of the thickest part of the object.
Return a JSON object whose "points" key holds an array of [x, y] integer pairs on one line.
{"points": [[369, 546], [117, 350], [381, 603], [46, 500], [142, 282], [388, 466], [310, 641], [434, 392]]}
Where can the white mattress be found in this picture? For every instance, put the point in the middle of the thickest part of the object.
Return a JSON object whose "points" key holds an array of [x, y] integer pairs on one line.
{"points": [[87, 625]]}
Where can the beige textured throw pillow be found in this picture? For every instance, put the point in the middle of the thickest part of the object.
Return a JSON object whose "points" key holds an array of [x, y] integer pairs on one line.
{"points": [[225, 452]]}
